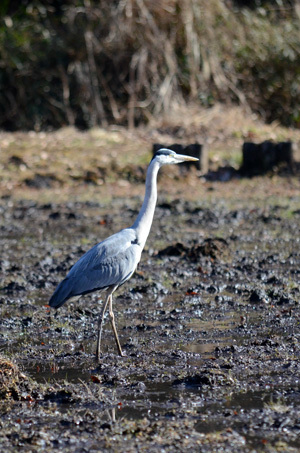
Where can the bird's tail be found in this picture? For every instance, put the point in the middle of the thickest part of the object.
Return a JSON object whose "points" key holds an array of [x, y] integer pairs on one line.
{"points": [[61, 294]]}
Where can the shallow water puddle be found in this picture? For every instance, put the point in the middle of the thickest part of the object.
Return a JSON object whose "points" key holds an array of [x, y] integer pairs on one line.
{"points": [[54, 371], [159, 398], [207, 348], [156, 400]]}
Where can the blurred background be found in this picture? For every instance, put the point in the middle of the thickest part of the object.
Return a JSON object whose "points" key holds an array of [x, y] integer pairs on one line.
{"points": [[95, 63]]}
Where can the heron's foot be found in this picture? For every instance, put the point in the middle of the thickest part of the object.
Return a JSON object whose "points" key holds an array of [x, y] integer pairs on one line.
{"points": [[122, 353]]}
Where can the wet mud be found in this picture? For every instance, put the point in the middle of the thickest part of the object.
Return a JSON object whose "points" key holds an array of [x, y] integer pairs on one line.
{"points": [[209, 324]]}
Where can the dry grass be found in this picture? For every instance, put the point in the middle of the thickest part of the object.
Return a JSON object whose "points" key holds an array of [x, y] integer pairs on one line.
{"points": [[112, 161], [12, 381], [128, 62]]}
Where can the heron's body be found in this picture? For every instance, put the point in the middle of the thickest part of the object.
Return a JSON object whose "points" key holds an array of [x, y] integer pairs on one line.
{"points": [[112, 262], [109, 263]]}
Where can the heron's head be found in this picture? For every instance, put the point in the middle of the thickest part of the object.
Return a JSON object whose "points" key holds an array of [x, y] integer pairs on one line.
{"points": [[166, 156]]}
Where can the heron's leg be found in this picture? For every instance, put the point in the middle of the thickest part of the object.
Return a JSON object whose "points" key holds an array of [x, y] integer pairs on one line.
{"points": [[112, 320], [100, 324]]}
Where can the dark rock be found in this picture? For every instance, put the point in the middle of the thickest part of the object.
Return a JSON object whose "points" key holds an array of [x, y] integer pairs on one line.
{"points": [[13, 286], [39, 181], [198, 380], [258, 296], [55, 215], [61, 397]]}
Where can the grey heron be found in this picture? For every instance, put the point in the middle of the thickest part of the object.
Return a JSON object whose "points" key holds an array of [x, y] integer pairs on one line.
{"points": [[112, 262]]}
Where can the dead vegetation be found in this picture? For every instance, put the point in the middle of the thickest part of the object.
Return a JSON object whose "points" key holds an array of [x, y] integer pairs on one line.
{"points": [[114, 158], [128, 62], [13, 383]]}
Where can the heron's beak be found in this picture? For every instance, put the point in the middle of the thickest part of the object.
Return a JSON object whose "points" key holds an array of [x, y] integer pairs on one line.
{"points": [[183, 158]]}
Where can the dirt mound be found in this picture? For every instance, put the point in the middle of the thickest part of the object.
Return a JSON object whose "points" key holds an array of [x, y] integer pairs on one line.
{"points": [[13, 383], [212, 247]]}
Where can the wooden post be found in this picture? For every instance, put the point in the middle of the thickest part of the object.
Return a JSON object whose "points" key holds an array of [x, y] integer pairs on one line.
{"points": [[258, 158]]}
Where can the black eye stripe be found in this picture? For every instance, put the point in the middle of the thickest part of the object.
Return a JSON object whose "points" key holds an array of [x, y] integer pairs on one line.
{"points": [[164, 152]]}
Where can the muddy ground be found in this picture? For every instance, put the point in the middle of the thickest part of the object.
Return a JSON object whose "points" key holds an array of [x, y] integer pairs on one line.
{"points": [[209, 322]]}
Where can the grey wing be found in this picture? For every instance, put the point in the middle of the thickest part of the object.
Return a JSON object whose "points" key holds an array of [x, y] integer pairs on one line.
{"points": [[108, 263]]}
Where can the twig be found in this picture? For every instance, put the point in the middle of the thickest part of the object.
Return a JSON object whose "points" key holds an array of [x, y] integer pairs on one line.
{"points": [[94, 80]]}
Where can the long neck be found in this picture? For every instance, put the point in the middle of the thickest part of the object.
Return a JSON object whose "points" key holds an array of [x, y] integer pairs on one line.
{"points": [[143, 222]]}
